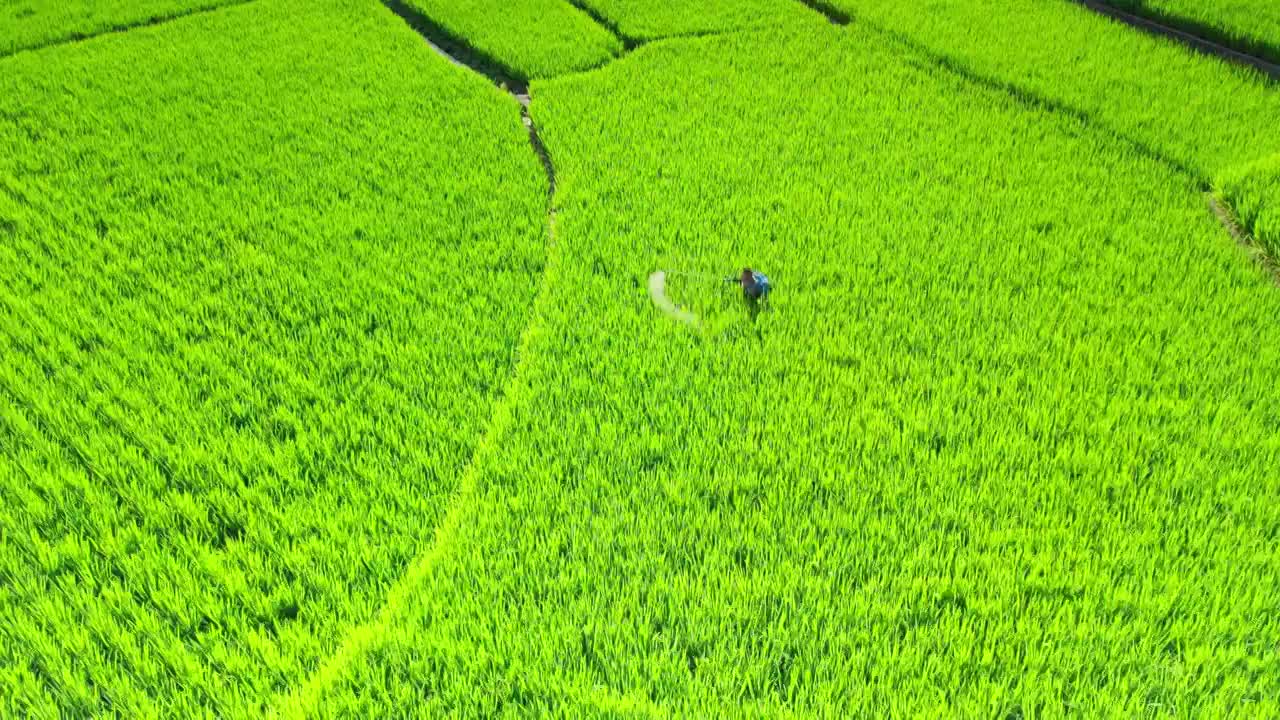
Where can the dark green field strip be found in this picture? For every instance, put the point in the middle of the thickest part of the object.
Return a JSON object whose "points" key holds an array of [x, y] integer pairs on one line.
{"points": [[1198, 111], [1001, 447], [254, 316], [642, 20], [1253, 193], [29, 24], [528, 39], [1249, 26]]}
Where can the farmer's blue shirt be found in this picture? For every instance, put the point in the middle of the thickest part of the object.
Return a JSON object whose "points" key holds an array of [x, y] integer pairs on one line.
{"points": [[762, 283]]}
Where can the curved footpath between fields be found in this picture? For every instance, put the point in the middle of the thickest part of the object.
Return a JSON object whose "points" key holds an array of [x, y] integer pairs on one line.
{"points": [[305, 698]]}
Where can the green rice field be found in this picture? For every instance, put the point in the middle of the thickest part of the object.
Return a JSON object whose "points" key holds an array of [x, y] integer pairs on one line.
{"points": [[530, 38], [28, 24], [1250, 25], [336, 382]]}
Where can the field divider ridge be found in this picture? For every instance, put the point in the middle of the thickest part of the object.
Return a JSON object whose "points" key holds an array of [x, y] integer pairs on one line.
{"points": [[458, 51], [1231, 222], [1196, 42], [303, 700], [1031, 99], [122, 28], [833, 14], [629, 42], [362, 638], [1203, 184]]}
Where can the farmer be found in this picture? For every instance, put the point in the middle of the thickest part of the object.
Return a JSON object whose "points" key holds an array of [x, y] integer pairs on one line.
{"points": [[755, 286]]}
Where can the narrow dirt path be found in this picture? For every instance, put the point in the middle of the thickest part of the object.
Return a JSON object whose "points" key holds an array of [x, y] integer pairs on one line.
{"points": [[1195, 42]]}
